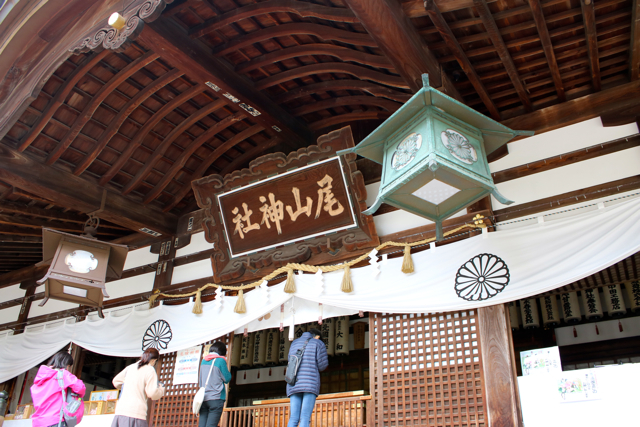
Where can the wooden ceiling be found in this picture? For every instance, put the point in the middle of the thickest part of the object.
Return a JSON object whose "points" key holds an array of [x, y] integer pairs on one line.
{"points": [[209, 85]]}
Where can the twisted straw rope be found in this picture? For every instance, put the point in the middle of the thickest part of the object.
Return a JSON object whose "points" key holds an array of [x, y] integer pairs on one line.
{"points": [[309, 268]]}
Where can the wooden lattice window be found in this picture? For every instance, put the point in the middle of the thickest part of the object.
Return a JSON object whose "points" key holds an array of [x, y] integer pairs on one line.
{"points": [[426, 370], [174, 409]]}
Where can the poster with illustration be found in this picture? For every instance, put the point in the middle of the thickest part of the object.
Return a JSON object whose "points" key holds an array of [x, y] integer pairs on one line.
{"points": [[540, 361], [185, 370], [577, 386]]}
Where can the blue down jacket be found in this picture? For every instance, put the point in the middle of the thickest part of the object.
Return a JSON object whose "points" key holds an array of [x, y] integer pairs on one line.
{"points": [[314, 361]]}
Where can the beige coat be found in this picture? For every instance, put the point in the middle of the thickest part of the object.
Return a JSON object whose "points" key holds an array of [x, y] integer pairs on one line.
{"points": [[139, 385]]}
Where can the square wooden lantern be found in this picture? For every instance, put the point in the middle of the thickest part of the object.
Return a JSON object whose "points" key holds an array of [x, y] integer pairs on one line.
{"points": [[79, 267], [433, 152]]}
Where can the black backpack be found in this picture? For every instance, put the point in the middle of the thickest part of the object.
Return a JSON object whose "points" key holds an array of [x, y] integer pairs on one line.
{"points": [[295, 360]]}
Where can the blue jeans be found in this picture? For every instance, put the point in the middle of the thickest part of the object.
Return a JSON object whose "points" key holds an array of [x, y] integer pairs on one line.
{"points": [[301, 408]]}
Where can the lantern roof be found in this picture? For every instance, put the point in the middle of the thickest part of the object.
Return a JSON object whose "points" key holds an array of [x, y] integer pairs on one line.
{"points": [[494, 134]]}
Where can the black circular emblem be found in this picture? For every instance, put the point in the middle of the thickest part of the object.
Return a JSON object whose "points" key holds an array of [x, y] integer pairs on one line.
{"points": [[157, 336], [481, 278]]}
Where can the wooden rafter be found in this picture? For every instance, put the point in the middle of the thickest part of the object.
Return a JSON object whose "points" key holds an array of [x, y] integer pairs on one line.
{"points": [[159, 151], [202, 139], [302, 9], [337, 85], [341, 52], [634, 51], [449, 38], [249, 155], [494, 33], [17, 208], [95, 102], [117, 121], [350, 117], [386, 104], [589, 18], [332, 67], [208, 161]]}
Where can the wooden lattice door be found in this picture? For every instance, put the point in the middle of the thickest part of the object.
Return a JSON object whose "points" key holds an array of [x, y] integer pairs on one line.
{"points": [[174, 409], [426, 369]]}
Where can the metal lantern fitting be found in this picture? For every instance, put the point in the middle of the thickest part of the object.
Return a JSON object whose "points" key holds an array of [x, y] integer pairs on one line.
{"points": [[433, 152], [79, 267]]}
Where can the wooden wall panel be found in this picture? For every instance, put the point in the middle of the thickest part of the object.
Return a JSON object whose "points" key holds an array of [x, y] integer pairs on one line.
{"points": [[427, 370]]}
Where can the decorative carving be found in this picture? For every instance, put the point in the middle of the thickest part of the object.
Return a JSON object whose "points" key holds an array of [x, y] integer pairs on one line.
{"points": [[260, 263], [136, 15]]}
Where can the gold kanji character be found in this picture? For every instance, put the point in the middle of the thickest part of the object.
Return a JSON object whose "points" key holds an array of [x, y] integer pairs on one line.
{"points": [[301, 209], [240, 221], [329, 198], [273, 212]]}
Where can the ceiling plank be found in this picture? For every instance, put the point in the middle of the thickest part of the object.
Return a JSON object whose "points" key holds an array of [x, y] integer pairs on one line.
{"points": [[326, 104], [250, 155], [117, 121], [589, 19], [453, 45], [415, 8], [95, 102], [165, 36], [634, 52], [351, 85], [16, 208], [79, 194], [18, 231], [494, 33]]}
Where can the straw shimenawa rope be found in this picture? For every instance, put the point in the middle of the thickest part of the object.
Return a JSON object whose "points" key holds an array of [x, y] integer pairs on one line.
{"points": [[290, 286]]}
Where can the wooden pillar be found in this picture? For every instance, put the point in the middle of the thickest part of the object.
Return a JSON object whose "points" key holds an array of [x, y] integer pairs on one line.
{"points": [[498, 362], [77, 353], [26, 307]]}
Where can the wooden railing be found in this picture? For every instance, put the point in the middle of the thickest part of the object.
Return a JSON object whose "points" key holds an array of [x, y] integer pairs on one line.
{"points": [[330, 411]]}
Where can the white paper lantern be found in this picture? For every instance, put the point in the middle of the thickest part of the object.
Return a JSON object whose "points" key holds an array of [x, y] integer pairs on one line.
{"points": [[614, 300], [514, 316], [342, 335], [236, 351], [592, 304], [529, 311], [246, 356], [633, 294], [549, 307], [570, 307], [260, 348], [285, 344], [273, 343], [329, 335]]}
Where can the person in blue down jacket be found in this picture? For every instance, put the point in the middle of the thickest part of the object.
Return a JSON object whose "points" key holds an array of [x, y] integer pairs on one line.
{"points": [[214, 392], [307, 387]]}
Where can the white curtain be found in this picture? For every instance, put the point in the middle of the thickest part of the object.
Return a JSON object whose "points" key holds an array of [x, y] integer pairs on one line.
{"points": [[538, 258]]}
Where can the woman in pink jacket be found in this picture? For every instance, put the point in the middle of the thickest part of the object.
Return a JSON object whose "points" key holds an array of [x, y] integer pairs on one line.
{"points": [[47, 394]]}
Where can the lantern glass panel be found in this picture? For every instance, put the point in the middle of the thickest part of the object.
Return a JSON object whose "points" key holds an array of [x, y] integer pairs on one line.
{"points": [[435, 192], [70, 290], [80, 261]]}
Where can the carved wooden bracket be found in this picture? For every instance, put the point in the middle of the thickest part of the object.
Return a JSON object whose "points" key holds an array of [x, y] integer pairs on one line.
{"points": [[254, 265], [110, 38]]}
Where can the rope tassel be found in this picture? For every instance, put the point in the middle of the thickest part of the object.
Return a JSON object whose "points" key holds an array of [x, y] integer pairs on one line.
{"points": [[152, 299], [197, 306], [290, 286], [407, 262], [347, 284], [240, 308]]}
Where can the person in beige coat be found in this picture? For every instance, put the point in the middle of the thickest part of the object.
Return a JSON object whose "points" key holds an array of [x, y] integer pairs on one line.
{"points": [[139, 382]]}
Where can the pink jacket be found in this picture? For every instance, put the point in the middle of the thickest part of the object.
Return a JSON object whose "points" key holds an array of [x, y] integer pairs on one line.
{"points": [[47, 398]]}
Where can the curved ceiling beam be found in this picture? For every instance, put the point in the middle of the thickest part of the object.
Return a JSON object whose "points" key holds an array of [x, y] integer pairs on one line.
{"points": [[341, 52], [390, 106], [159, 151], [207, 162], [332, 67], [251, 154], [322, 31], [115, 124], [191, 148], [302, 9], [59, 97], [350, 117], [95, 102], [137, 139], [337, 85]]}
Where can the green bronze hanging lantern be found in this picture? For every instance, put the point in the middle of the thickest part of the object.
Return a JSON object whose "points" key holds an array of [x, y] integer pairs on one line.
{"points": [[433, 152]]}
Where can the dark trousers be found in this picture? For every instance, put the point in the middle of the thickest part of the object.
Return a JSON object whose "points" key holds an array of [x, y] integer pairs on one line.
{"points": [[210, 413]]}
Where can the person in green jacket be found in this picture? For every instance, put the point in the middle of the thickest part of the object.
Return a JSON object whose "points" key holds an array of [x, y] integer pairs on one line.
{"points": [[214, 393]]}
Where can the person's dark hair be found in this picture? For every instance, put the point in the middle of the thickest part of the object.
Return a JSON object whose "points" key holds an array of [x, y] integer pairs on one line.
{"points": [[315, 332], [60, 360], [148, 355], [219, 347]]}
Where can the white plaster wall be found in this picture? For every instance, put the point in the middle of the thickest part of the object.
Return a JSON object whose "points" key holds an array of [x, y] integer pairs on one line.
{"points": [[11, 292], [130, 286], [51, 306], [10, 314], [198, 244], [140, 257], [193, 271]]}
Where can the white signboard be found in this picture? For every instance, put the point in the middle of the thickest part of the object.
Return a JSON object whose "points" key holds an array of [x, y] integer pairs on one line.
{"points": [[185, 370], [540, 361]]}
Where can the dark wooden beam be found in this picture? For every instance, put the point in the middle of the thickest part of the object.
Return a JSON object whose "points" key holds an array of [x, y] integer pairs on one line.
{"points": [[589, 19], [255, 152], [547, 46], [76, 193], [21, 239], [390, 106], [415, 8], [25, 308], [334, 85], [168, 38], [634, 50], [17, 208], [25, 274], [19, 231], [455, 48], [37, 223], [496, 38]]}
